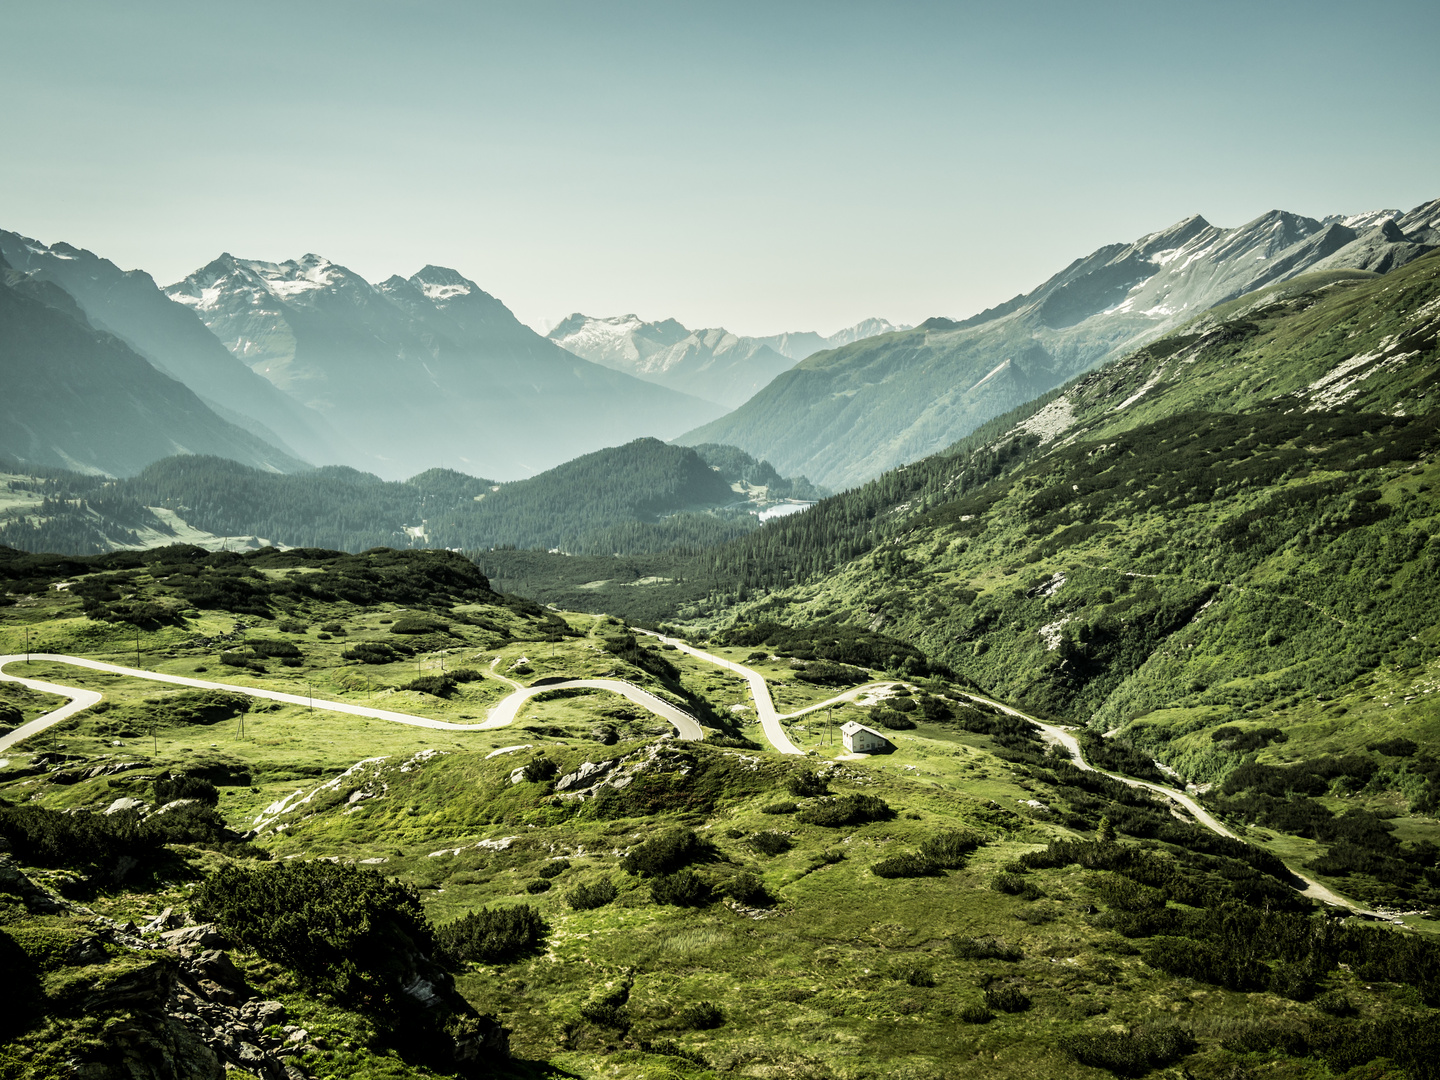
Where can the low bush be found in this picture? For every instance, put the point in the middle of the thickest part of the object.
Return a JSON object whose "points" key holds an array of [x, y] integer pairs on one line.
{"points": [[747, 889], [539, 885], [585, 897], [344, 930], [1128, 1053], [664, 854], [554, 868], [441, 686], [950, 849], [1015, 885], [976, 1014], [987, 948], [419, 624], [493, 935], [700, 1016], [370, 652], [1010, 999], [914, 975], [780, 808], [906, 864], [807, 785], [168, 788], [680, 889], [846, 810], [273, 648], [771, 842], [540, 770]]}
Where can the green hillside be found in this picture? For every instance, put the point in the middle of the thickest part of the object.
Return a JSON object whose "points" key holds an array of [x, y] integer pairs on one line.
{"points": [[643, 497], [1220, 553]]}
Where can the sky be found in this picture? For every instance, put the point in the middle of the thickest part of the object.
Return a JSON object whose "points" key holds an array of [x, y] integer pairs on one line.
{"points": [[760, 166]]}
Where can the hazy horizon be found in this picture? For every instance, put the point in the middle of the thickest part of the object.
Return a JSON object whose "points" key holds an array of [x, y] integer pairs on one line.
{"points": [[761, 168]]}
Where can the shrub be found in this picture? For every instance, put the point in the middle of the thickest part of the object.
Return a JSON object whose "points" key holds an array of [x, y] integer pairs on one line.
{"points": [[370, 652], [1203, 962], [681, 889], [345, 930], [976, 1014], [1015, 885], [1335, 1003], [1130, 1054], [988, 948], [771, 842], [333, 628], [846, 810], [273, 648], [780, 808], [554, 868], [700, 1016], [585, 897], [807, 785], [664, 854], [906, 864], [169, 788], [233, 659], [747, 889], [539, 770], [1010, 999], [892, 721], [290, 626], [607, 1009], [441, 686], [914, 975], [539, 885], [493, 936], [418, 624], [949, 849], [466, 675]]}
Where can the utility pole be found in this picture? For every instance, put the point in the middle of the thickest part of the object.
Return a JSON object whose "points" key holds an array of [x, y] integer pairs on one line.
{"points": [[27, 644], [137, 646]]}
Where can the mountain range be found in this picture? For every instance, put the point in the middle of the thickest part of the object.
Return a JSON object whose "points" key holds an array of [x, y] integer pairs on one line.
{"points": [[712, 364], [845, 415], [431, 368], [80, 398]]}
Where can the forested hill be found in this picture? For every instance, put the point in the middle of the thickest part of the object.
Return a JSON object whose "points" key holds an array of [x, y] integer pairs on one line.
{"points": [[1323, 347], [644, 496]]}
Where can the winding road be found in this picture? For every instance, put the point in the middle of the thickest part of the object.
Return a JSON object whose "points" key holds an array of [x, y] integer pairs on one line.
{"points": [[501, 714], [505, 711], [770, 722]]}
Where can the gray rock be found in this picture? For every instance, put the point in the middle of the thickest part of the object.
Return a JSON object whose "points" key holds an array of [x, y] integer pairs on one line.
{"points": [[585, 776], [205, 935], [86, 951], [125, 803]]}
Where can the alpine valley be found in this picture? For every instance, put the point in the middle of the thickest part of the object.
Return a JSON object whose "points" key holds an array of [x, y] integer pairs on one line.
{"points": [[1092, 730]]}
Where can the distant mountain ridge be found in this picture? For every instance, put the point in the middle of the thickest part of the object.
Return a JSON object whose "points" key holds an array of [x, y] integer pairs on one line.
{"points": [[843, 416], [79, 398], [713, 364], [128, 304], [430, 368]]}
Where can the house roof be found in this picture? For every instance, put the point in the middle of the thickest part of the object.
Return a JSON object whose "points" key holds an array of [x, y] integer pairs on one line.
{"points": [[850, 727]]}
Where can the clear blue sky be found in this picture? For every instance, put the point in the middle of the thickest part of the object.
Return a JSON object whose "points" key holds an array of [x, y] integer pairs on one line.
{"points": [[769, 166]]}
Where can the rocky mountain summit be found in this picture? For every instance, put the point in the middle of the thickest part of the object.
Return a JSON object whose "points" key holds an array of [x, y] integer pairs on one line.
{"points": [[847, 415]]}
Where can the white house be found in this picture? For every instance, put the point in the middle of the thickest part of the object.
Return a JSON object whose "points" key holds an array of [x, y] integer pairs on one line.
{"points": [[860, 739]]}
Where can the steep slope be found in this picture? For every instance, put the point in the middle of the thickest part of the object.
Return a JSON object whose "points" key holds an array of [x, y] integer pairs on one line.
{"points": [[1229, 531], [80, 398], [129, 305], [425, 370], [713, 364], [848, 414]]}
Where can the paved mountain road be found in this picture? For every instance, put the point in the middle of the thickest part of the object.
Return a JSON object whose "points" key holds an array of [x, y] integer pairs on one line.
{"points": [[501, 714], [770, 721]]}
